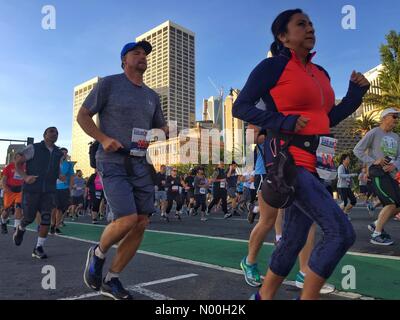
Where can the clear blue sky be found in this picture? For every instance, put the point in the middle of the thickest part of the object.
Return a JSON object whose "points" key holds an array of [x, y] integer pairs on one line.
{"points": [[39, 68]]}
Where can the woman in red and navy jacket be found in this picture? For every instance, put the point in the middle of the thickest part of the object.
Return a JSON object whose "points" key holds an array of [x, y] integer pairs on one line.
{"points": [[299, 100]]}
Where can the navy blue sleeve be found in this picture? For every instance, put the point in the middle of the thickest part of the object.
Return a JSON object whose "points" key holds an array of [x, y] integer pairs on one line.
{"points": [[261, 80], [348, 105]]}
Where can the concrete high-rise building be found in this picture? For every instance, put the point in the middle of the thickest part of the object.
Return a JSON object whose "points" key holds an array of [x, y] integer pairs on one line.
{"points": [[80, 140], [171, 71], [234, 128], [213, 111]]}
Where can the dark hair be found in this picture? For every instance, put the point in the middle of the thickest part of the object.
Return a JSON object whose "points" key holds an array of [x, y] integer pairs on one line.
{"points": [[63, 149], [343, 157], [45, 131], [279, 26]]}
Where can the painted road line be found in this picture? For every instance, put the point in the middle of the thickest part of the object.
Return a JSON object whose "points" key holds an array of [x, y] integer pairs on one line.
{"points": [[139, 289], [185, 276], [353, 253], [195, 263], [148, 293]]}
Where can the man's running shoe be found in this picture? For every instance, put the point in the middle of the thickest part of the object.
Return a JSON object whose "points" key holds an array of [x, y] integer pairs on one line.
{"points": [[178, 216], [326, 288], [228, 215], [370, 209], [93, 273], [39, 253], [203, 219], [236, 214], [57, 231], [372, 227], [381, 240], [52, 230], [114, 289], [251, 273], [18, 236], [4, 229], [251, 215], [255, 296], [94, 221]]}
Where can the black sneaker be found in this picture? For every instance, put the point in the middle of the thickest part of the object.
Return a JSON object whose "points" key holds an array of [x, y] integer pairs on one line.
{"points": [[57, 231], [93, 270], [18, 236], [52, 230], [251, 215], [39, 253], [94, 221], [228, 215], [4, 229], [236, 214], [372, 227], [115, 290]]}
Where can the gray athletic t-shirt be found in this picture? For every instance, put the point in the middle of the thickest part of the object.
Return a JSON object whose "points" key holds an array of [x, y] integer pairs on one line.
{"points": [[123, 106], [78, 189], [377, 144]]}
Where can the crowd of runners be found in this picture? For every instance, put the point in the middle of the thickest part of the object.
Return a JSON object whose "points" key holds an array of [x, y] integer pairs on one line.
{"points": [[289, 104]]}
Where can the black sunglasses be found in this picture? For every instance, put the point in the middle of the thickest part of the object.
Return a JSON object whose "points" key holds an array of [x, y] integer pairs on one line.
{"points": [[394, 116]]}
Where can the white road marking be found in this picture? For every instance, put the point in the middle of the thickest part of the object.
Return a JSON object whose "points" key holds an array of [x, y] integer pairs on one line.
{"points": [[139, 289], [352, 253], [220, 268]]}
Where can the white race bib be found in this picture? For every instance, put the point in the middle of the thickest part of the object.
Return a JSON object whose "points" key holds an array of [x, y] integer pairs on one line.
{"points": [[203, 191], [222, 184], [326, 168], [17, 176], [139, 142], [175, 188]]}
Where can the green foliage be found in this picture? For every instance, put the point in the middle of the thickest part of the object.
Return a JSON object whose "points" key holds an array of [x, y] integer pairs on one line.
{"points": [[389, 77], [364, 124]]}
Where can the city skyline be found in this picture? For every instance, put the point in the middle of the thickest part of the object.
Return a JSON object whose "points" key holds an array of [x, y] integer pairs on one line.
{"points": [[37, 81]]}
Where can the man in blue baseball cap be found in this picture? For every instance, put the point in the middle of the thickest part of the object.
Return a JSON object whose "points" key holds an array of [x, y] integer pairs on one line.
{"points": [[128, 110], [146, 46]]}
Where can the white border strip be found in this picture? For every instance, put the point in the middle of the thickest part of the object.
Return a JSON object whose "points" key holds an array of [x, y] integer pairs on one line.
{"points": [[352, 253]]}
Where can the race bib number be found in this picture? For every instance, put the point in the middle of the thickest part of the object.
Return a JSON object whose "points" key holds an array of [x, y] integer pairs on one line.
{"points": [[203, 191], [98, 194], [175, 188], [326, 168], [17, 176], [222, 184], [139, 142], [79, 188]]}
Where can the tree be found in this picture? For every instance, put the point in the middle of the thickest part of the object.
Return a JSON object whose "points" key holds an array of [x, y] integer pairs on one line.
{"points": [[364, 124], [389, 76]]}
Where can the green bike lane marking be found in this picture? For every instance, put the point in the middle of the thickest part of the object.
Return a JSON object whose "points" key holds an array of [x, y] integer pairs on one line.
{"points": [[375, 277]]}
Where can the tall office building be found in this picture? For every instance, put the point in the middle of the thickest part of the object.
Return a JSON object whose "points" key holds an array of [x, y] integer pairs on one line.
{"points": [[213, 111], [80, 140], [234, 128], [171, 71]]}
